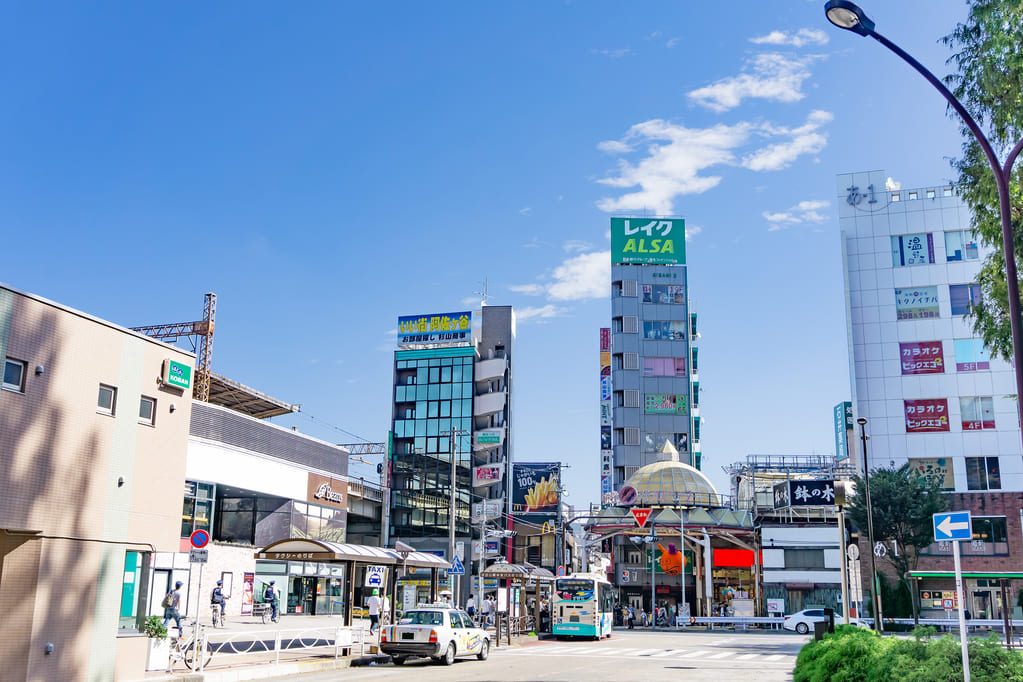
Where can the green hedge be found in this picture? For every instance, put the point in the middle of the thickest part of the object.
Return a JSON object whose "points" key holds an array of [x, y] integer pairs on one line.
{"points": [[853, 654]]}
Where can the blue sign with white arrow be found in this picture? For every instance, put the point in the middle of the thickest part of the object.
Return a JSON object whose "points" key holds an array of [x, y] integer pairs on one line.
{"points": [[952, 526], [456, 567]]}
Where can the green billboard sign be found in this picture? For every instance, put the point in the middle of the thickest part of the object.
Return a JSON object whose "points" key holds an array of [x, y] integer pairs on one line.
{"points": [[648, 241], [177, 374]]}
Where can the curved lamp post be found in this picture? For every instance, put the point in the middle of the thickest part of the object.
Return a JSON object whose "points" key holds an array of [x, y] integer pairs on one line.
{"points": [[851, 17], [875, 596]]}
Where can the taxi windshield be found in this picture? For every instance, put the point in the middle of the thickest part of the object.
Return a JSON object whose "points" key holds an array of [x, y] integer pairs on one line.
{"points": [[574, 589], [423, 618]]}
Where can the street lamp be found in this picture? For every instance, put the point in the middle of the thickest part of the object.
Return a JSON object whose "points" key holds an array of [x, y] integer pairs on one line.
{"points": [[875, 596], [849, 16]]}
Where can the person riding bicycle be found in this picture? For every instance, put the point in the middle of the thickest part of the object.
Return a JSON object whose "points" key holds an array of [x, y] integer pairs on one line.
{"points": [[270, 597], [217, 597]]}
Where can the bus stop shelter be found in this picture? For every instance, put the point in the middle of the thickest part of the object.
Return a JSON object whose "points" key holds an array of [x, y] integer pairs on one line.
{"points": [[353, 557], [525, 573]]}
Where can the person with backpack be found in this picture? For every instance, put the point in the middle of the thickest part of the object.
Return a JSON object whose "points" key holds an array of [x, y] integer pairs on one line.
{"points": [[171, 604], [217, 598], [270, 597]]}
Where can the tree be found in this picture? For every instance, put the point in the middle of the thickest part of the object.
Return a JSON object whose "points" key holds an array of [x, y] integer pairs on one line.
{"points": [[903, 505], [988, 54]]}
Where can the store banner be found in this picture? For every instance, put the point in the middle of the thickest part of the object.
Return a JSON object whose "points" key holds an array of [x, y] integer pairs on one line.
{"points": [[648, 241], [440, 328], [922, 357], [919, 303], [804, 493], [926, 416], [487, 475], [248, 584], [934, 470], [535, 490]]}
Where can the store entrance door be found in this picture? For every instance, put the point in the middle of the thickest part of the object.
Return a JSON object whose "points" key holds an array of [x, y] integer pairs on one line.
{"points": [[302, 597]]}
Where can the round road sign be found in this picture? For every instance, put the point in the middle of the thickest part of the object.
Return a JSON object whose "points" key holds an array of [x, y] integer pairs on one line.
{"points": [[561, 571], [200, 538]]}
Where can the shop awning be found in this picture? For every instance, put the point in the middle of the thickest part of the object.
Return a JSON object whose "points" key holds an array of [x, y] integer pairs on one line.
{"points": [[518, 572], [303, 549]]}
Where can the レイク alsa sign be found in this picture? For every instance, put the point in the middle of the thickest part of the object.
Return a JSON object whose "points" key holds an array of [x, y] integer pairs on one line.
{"points": [[648, 241]]}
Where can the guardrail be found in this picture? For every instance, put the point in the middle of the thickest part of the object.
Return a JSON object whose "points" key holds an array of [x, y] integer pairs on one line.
{"points": [[949, 623], [288, 640]]}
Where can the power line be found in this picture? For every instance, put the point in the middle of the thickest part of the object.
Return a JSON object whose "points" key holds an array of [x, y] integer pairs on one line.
{"points": [[335, 427]]}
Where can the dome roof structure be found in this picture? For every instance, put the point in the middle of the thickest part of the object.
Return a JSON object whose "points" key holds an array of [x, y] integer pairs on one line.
{"points": [[670, 483]]}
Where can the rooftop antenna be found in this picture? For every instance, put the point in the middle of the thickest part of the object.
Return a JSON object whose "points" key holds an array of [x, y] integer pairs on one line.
{"points": [[483, 294]]}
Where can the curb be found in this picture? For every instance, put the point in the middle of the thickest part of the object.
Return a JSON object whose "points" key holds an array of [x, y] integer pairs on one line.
{"points": [[259, 672]]}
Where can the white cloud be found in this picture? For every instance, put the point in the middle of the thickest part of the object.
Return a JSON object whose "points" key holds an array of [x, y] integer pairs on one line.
{"points": [[528, 289], [806, 139], [582, 277], [676, 156], [613, 54], [803, 213], [576, 245], [537, 313], [525, 211], [770, 76], [470, 300], [804, 36], [672, 42], [692, 231]]}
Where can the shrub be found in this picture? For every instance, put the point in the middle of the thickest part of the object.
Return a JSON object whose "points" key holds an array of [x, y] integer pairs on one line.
{"points": [[154, 628]]}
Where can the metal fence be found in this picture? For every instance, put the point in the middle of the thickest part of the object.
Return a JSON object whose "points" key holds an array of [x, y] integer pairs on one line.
{"points": [[270, 644]]}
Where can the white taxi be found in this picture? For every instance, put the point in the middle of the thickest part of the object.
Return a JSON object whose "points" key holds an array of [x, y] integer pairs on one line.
{"points": [[440, 633]]}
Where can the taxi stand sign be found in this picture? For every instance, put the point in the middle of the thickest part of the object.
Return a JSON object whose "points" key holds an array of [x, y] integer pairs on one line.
{"points": [[954, 527]]}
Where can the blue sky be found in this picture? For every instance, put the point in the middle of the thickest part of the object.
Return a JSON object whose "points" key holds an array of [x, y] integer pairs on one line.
{"points": [[326, 167]]}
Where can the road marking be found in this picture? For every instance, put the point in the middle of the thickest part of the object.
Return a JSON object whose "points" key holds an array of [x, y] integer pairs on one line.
{"points": [[615, 652], [669, 652], [645, 652], [722, 654], [746, 657], [774, 657], [718, 641], [693, 653]]}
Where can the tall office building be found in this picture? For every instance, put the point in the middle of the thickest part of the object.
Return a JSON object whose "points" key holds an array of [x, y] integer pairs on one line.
{"points": [[452, 394], [931, 395], [654, 380]]}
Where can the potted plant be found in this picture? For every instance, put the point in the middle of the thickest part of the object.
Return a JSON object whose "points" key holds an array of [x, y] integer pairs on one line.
{"points": [[158, 656]]}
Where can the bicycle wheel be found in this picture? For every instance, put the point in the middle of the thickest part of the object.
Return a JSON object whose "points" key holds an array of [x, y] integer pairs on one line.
{"points": [[189, 654], [265, 614], [215, 613]]}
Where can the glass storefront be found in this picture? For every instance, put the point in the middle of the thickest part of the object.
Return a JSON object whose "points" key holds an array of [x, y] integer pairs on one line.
{"points": [[307, 588]]}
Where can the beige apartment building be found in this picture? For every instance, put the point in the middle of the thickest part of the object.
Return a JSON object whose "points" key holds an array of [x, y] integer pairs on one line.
{"points": [[94, 422]]}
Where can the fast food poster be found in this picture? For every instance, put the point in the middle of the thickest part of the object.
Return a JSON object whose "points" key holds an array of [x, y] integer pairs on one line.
{"points": [[917, 303], [535, 490], [926, 416], [934, 470], [487, 475], [439, 328], [922, 357]]}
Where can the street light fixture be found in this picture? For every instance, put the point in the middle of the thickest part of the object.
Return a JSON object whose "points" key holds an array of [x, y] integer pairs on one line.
{"points": [[849, 16], [874, 595]]}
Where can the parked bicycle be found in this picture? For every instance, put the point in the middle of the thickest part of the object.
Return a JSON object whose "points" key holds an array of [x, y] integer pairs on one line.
{"points": [[183, 648]]}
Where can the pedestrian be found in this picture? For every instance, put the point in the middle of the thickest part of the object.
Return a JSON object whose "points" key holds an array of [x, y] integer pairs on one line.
{"points": [[445, 598], [470, 608], [632, 616], [487, 607], [172, 606], [642, 616], [373, 604], [270, 597]]}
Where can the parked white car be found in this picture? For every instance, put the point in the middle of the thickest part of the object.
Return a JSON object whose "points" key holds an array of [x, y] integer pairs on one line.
{"points": [[439, 633], [803, 621]]}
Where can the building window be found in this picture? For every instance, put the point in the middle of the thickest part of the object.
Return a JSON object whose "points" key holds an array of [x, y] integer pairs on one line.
{"points": [[664, 367], [14, 375], [195, 513], [147, 410], [804, 558], [134, 592], [630, 288], [982, 473], [912, 196], [664, 442], [912, 249], [664, 330], [630, 324], [977, 413], [971, 355], [107, 402], [896, 196], [961, 245], [631, 398], [930, 194], [631, 436], [989, 529], [659, 293], [963, 297], [917, 303], [947, 192], [630, 361]]}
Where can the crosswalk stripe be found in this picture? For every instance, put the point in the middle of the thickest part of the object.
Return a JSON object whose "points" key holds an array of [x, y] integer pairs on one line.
{"points": [[722, 654], [747, 657], [616, 652], [775, 657], [693, 653], [645, 652], [669, 652]]}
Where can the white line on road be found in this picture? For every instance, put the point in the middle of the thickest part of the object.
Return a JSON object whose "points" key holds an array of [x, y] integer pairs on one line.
{"points": [[615, 652], [775, 657], [646, 652], [669, 652], [722, 654], [746, 657]]}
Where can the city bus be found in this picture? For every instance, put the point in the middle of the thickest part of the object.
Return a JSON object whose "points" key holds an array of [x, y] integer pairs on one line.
{"points": [[582, 606]]}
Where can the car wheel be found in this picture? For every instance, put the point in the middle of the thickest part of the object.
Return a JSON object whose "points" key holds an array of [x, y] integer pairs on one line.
{"points": [[398, 660], [802, 628], [449, 655], [484, 651]]}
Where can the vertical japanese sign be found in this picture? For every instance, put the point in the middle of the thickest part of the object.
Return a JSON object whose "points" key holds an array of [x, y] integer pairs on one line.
{"points": [[606, 482], [926, 416], [247, 586], [843, 424], [648, 241], [922, 357]]}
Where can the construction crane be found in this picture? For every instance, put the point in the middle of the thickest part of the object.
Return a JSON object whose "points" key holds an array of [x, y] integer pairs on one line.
{"points": [[200, 334]]}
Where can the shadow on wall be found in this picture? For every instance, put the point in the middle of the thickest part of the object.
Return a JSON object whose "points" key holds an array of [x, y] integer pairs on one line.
{"points": [[47, 586]]}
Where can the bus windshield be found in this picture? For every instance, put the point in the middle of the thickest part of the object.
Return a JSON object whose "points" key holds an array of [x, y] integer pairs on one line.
{"points": [[574, 589]]}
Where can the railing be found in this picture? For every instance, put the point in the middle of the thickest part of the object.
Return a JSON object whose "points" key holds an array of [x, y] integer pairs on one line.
{"points": [[271, 643], [946, 623], [367, 491]]}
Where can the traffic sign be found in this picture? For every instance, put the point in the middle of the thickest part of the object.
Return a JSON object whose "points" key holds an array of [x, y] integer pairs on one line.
{"points": [[641, 514], [561, 571], [460, 550], [952, 526], [198, 556], [456, 567], [948, 604], [200, 538], [375, 576]]}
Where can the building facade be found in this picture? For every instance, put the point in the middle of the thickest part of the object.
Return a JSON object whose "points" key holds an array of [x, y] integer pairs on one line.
{"points": [[452, 437], [94, 423], [932, 396]]}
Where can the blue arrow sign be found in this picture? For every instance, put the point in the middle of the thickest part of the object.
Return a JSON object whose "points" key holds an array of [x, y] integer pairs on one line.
{"points": [[952, 526], [456, 567]]}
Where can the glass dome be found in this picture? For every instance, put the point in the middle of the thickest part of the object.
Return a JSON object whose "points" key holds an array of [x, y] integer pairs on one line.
{"points": [[672, 483]]}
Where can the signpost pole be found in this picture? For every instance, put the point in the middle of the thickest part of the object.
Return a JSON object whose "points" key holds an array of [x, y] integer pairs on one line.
{"points": [[653, 575], [845, 577], [962, 613]]}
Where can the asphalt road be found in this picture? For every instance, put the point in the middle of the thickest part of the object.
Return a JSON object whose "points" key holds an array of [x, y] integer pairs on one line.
{"points": [[636, 655]]}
